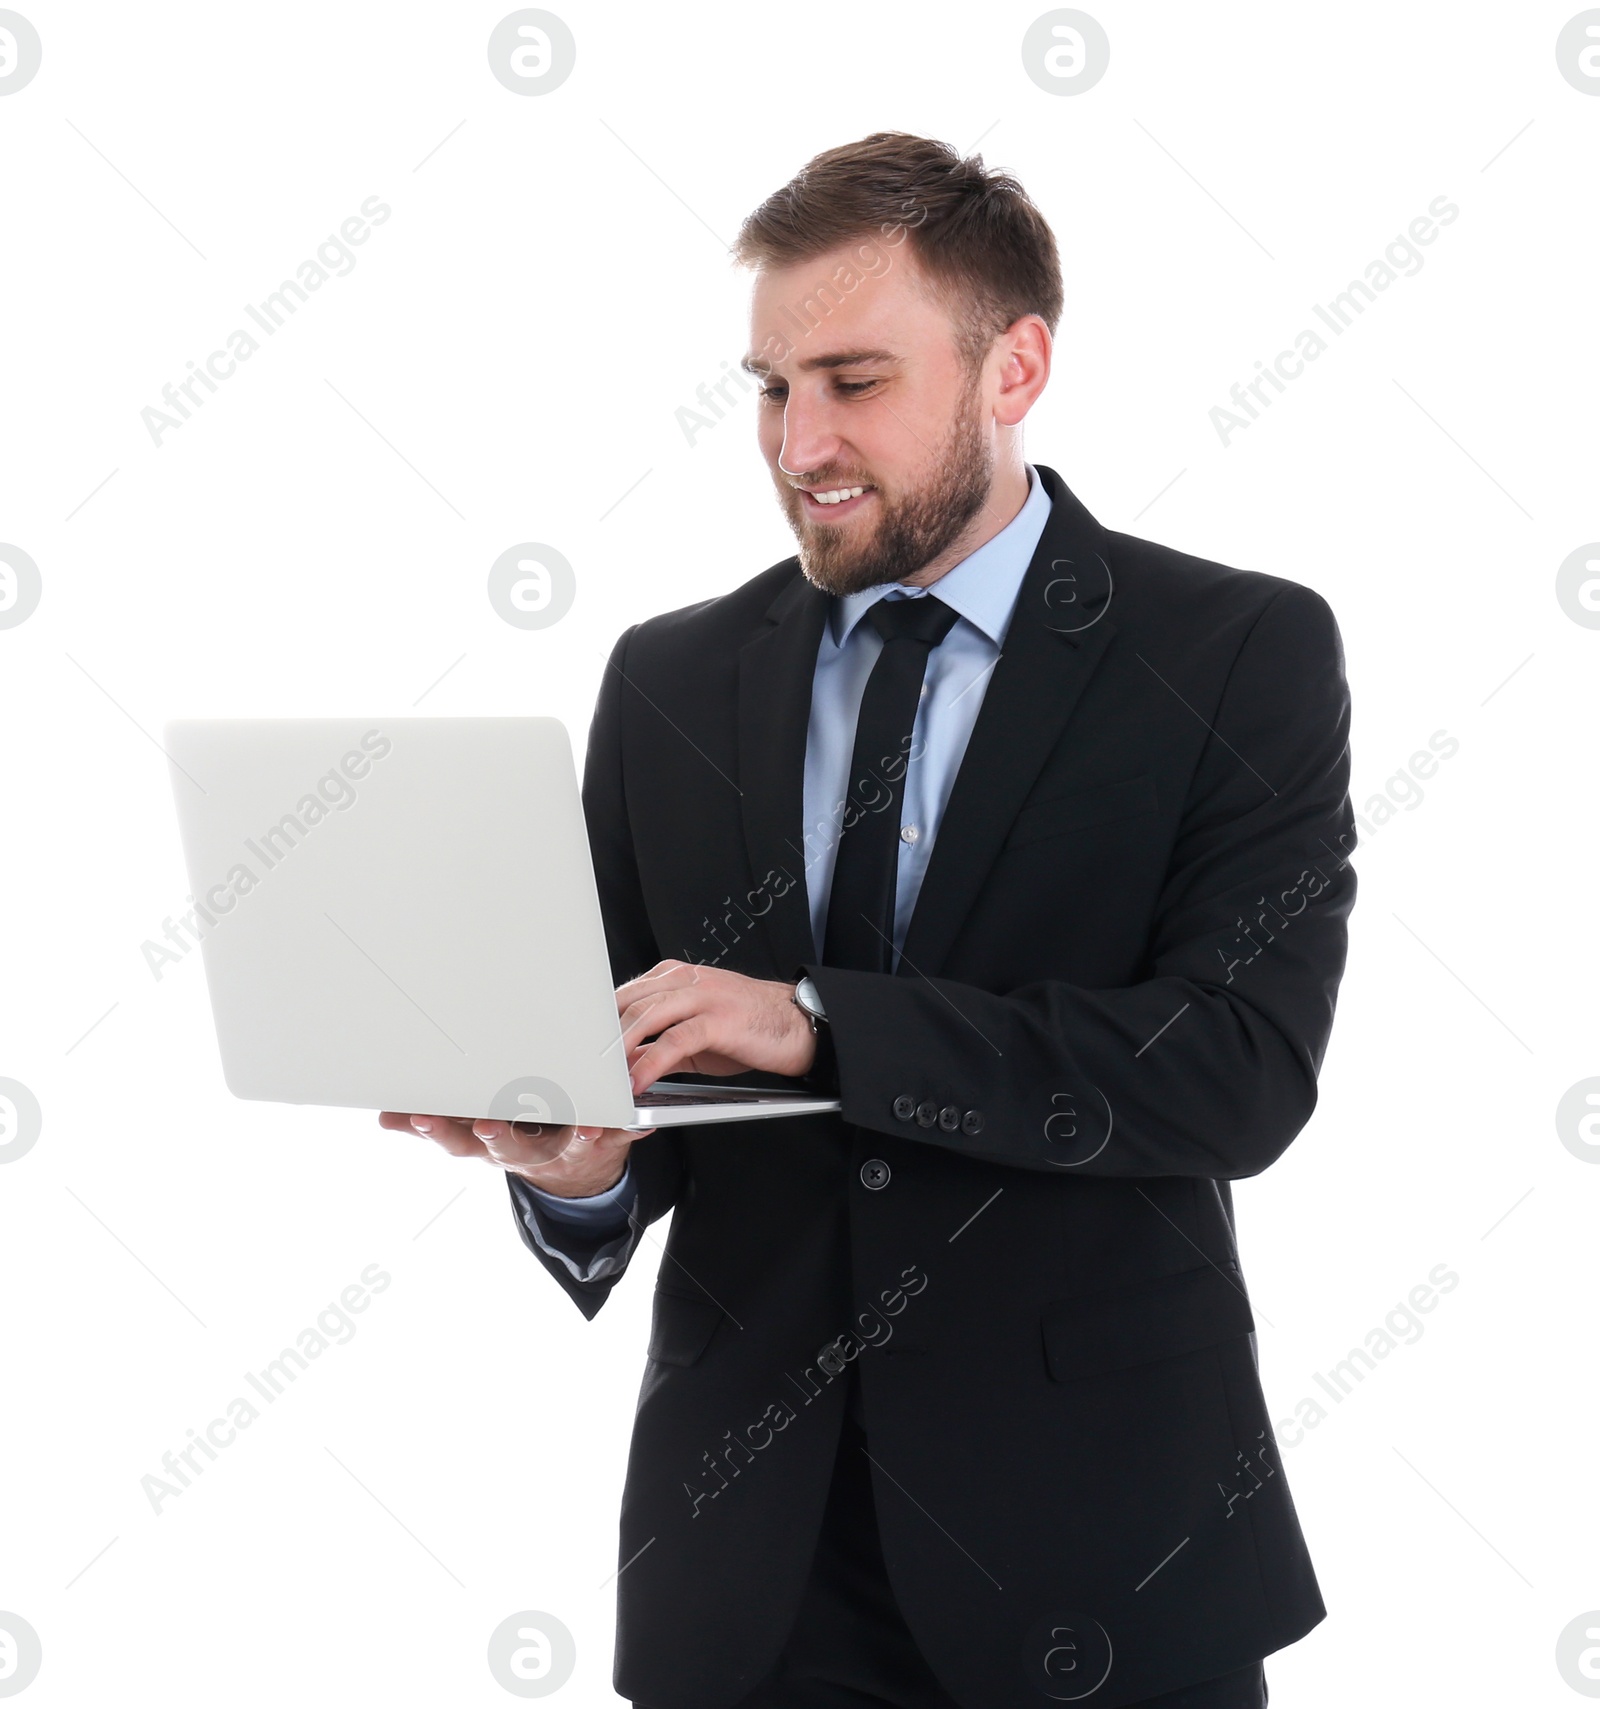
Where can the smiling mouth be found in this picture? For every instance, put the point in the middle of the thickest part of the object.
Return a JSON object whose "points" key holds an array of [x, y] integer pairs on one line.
{"points": [[834, 501]]}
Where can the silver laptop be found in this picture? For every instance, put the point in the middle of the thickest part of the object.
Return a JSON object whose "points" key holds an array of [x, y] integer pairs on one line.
{"points": [[400, 914]]}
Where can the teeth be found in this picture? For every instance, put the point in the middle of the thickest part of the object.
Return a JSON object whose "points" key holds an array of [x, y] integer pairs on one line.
{"points": [[838, 495]]}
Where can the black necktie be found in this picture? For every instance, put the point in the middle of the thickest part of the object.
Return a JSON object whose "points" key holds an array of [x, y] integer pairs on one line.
{"points": [[860, 930]]}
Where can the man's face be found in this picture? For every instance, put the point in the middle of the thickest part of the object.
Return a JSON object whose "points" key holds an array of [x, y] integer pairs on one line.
{"points": [[875, 395]]}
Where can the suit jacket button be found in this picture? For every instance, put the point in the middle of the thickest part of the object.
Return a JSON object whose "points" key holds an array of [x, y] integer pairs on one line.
{"points": [[927, 1113], [972, 1122], [874, 1173], [949, 1118], [830, 1358], [904, 1109]]}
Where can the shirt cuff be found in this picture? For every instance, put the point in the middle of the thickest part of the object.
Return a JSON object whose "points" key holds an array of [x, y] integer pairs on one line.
{"points": [[598, 1210], [588, 1254]]}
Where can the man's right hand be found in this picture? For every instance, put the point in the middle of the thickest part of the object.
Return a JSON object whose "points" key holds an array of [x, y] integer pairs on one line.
{"points": [[571, 1162]]}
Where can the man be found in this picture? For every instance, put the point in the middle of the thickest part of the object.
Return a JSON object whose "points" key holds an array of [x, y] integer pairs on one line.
{"points": [[1030, 840]]}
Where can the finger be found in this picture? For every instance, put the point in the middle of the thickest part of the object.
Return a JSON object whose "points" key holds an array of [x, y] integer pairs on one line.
{"points": [[435, 1126], [654, 1014], [516, 1149], [453, 1138], [448, 1132], [404, 1121], [588, 1142], [665, 975], [675, 1048], [661, 970], [500, 1132]]}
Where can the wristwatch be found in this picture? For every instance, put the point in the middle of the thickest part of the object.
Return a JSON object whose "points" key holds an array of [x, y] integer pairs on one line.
{"points": [[808, 1000]]}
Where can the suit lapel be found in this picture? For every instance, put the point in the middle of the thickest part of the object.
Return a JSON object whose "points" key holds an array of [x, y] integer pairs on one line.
{"points": [[776, 668], [1058, 632]]}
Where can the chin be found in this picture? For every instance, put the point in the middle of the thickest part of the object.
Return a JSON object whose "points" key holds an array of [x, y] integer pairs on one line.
{"points": [[837, 578]]}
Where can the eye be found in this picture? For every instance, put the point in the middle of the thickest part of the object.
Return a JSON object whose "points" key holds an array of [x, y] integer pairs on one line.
{"points": [[856, 388], [772, 394]]}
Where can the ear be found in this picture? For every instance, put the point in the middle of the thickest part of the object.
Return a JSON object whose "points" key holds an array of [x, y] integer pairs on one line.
{"points": [[1023, 350]]}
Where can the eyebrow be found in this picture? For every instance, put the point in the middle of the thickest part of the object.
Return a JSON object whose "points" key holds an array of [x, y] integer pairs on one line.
{"points": [[840, 359]]}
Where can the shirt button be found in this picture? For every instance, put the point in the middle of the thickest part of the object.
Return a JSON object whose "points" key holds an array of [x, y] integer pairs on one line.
{"points": [[874, 1174], [909, 833]]}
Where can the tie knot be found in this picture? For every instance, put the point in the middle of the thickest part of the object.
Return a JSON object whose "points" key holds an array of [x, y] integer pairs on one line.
{"points": [[901, 617]]}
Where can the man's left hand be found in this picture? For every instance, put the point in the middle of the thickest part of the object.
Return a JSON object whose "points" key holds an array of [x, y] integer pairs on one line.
{"points": [[706, 1020]]}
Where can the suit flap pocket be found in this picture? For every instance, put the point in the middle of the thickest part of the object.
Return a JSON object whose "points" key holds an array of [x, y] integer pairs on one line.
{"points": [[1121, 1327], [1083, 808], [680, 1327]]}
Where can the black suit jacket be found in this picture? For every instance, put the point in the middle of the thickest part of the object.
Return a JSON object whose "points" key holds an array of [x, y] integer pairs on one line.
{"points": [[1114, 998]]}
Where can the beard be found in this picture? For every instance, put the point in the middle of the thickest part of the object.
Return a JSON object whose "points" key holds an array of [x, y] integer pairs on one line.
{"points": [[913, 527]]}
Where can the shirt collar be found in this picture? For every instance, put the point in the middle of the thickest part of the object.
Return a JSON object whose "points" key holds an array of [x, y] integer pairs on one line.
{"points": [[982, 588]]}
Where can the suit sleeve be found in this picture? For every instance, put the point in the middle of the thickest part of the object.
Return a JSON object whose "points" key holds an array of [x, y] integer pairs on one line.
{"points": [[588, 1262], [1208, 1065]]}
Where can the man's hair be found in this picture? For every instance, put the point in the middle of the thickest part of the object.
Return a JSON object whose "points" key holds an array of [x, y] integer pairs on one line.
{"points": [[985, 249]]}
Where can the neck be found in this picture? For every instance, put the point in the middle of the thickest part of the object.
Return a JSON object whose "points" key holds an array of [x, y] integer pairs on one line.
{"points": [[1008, 492]]}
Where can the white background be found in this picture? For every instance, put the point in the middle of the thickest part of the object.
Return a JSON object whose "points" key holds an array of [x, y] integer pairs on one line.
{"points": [[504, 363]]}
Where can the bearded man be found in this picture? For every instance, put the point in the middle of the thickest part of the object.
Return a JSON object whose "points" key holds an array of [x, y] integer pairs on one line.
{"points": [[1029, 840]]}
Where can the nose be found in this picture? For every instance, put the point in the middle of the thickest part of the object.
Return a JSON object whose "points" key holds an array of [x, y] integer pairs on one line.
{"points": [[809, 440]]}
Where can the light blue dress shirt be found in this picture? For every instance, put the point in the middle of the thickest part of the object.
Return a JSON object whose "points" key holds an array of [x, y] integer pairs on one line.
{"points": [[982, 590]]}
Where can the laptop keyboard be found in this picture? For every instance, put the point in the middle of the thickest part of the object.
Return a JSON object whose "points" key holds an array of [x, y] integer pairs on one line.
{"points": [[656, 1097]]}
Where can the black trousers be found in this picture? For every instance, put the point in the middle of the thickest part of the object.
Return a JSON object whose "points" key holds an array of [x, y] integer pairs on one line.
{"points": [[850, 1647]]}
